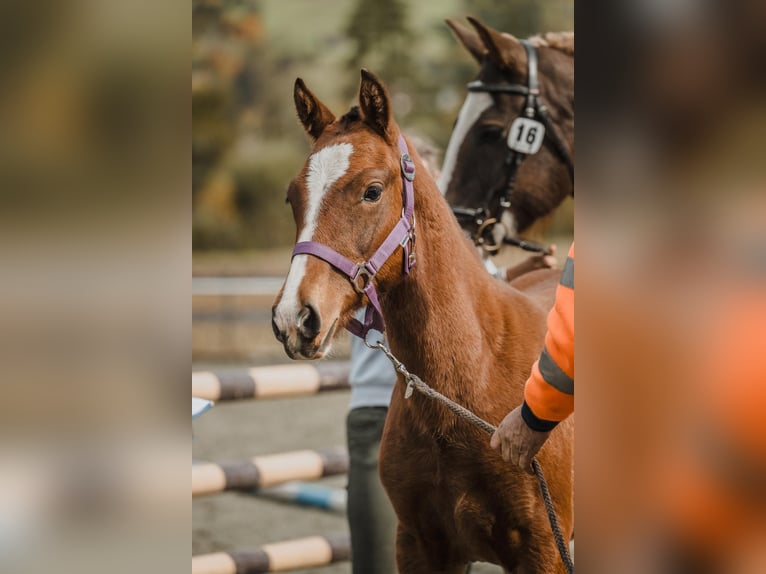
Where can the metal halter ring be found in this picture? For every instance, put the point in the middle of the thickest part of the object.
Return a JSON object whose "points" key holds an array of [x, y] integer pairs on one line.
{"points": [[365, 276], [376, 345], [489, 224]]}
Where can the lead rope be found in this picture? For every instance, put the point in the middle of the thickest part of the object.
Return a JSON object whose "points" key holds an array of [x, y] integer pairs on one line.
{"points": [[415, 382]]}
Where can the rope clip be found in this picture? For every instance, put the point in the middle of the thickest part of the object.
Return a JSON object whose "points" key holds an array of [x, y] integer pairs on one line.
{"points": [[409, 390]]}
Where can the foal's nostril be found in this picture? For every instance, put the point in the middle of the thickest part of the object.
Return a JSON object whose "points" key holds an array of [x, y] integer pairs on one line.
{"points": [[309, 322], [275, 328]]}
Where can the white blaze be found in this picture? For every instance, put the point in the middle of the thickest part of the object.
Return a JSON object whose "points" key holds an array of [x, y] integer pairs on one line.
{"points": [[326, 167], [474, 105]]}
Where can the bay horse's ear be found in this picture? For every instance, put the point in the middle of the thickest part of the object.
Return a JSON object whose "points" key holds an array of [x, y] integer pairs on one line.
{"points": [[375, 105], [469, 39], [505, 51], [313, 114]]}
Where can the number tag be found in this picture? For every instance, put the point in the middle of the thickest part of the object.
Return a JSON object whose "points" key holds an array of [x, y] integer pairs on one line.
{"points": [[526, 135]]}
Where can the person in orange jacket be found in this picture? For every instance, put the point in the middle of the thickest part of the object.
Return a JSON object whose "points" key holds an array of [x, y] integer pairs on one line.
{"points": [[549, 391]]}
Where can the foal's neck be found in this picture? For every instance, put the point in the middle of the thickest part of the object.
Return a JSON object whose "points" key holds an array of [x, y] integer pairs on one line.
{"points": [[447, 319]]}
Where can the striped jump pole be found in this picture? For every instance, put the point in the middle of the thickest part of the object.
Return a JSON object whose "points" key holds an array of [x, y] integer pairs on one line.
{"points": [[307, 494], [310, 552], [268, 470], [271, 382]]}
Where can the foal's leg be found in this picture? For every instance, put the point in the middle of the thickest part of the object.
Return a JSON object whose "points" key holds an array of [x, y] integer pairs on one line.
{"points": [[414, 556]]}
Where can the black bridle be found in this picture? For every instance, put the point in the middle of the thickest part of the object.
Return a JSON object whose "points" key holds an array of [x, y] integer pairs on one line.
{"points": [[535, 113]]}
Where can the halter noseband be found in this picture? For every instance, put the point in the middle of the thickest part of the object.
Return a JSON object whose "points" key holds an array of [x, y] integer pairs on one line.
{"points": [[534, 111], [362, 274]]}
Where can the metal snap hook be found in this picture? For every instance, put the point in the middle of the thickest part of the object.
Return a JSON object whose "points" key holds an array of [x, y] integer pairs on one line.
{"points": [[376, 345]]}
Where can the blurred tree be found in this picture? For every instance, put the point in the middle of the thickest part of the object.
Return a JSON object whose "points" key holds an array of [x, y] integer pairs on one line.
{"points": [[523, 18], [382, 40], [519, 17]]}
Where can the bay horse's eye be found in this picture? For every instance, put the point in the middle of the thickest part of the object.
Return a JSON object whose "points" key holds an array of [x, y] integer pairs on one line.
{"points": [[373, 193], [490, 133]]}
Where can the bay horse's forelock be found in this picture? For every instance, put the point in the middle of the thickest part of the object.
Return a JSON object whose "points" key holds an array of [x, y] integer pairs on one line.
{"points": [[472, 337]]}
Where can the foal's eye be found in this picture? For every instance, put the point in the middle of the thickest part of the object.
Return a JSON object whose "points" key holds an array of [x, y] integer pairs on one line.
{"points": [[373, 193]]}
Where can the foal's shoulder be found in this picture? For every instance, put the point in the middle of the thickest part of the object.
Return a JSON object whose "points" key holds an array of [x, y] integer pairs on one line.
{"points": [[539, 285]]}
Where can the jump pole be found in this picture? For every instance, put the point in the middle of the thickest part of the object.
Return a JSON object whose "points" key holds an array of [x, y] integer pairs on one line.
{"points": [[271, 382], [310, 552], [268, 470], [307, 494]]}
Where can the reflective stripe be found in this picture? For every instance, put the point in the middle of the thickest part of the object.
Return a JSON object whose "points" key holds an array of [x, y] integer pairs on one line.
{"points": [[567, 275], [553, 374]]}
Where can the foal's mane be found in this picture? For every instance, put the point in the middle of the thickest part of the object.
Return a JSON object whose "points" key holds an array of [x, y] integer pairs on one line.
{"points": [[562, 41], [350, 117]]}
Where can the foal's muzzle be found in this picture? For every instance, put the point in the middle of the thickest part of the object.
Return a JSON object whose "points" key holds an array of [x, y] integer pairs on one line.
{"points": [[299, 333]]}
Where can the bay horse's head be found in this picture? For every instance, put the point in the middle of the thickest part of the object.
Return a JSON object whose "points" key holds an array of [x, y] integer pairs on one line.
{"points": [[477, 164], [346, 199]]}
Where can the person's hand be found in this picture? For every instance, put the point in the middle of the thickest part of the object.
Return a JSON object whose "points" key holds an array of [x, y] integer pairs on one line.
{"points": [[533, 262], [548, 260], [517, 443]]}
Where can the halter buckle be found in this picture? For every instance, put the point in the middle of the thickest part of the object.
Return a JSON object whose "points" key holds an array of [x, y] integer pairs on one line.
{"points": [[361, 279], [408, 167], [408, 246]]}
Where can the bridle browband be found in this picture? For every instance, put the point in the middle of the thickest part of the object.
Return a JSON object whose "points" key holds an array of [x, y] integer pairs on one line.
{"points": [[362, 274], [536, 111]]}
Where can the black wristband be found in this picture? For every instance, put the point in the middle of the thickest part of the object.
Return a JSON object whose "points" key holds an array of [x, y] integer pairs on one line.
{"points": [[535, 423]]}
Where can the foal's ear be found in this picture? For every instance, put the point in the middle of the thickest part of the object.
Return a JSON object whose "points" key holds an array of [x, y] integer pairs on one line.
{"points": [[375, 105], [504, 51], [469, 39], [313, 114]]}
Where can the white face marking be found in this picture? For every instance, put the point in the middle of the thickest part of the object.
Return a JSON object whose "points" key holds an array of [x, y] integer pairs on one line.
{"points": [[509, 222], [474, 105], [326, 167]]}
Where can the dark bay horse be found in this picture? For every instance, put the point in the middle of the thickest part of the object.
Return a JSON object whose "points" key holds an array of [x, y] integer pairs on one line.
{"points": [[373, 230], [510, 159]]}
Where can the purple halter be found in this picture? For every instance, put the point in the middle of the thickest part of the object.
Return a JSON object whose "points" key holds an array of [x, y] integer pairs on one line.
{"points": [[362, 274]]}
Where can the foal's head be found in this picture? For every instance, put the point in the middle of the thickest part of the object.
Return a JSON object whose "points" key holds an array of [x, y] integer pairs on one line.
{"points": [[474, 164], [348, 196]]}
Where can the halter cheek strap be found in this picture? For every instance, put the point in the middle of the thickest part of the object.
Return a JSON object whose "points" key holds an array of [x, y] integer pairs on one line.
{"points": [[362, 274]]}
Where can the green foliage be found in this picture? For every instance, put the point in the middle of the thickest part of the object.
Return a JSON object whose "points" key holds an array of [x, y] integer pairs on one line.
{"points": [[382, 39], [523, 18], [261, 180]]}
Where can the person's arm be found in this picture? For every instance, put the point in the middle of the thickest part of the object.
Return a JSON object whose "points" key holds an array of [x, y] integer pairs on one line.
{"points": [[531, 263], [549, 391]]}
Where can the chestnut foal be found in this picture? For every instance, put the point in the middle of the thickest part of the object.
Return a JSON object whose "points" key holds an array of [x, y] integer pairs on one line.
{"points": [[472, 337]]}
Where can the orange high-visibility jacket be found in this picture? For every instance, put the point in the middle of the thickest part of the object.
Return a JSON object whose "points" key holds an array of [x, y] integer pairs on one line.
{"points": [[549, 391]]}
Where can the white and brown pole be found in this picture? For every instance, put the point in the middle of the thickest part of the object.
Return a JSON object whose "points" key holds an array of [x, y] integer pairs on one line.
{"points": [[310, 552], [271, 382], [268, 470]]}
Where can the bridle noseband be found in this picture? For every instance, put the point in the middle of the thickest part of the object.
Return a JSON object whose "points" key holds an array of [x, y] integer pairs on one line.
{"points": [[362, 274], [525, 138]]}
